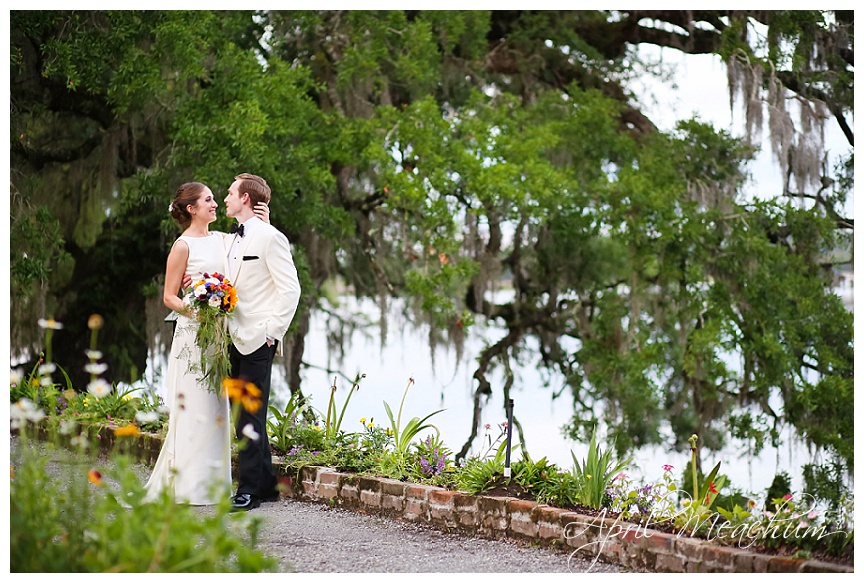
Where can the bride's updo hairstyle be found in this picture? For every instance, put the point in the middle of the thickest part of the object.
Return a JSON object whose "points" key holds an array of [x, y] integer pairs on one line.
{"points": [[187, 194]]}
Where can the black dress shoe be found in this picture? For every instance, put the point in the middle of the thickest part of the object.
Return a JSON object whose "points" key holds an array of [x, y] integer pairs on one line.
{"points": [[271, 496], [243, 502]]}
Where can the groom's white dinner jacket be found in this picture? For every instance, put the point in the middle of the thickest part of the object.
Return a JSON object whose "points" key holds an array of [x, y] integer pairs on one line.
{"points": [[268, 290]]}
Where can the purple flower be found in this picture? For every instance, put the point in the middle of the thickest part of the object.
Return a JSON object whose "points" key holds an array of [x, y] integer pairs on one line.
{"points": [[424, 466], [440, 465], [428, 468], [295, 450]]}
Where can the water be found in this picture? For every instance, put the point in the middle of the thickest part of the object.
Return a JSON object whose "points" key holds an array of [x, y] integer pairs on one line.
{"points": [[440, 381]]}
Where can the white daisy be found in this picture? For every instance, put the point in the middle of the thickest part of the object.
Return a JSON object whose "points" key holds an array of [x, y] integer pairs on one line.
{"points": [[249, 431], [99, 388], [96, 368]]}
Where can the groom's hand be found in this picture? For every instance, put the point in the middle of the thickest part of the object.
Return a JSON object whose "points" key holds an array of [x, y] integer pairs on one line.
{"points": [[187, 281]]}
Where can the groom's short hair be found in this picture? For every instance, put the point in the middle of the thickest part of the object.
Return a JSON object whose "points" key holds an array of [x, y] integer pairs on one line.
{"points": [[255, 186]]}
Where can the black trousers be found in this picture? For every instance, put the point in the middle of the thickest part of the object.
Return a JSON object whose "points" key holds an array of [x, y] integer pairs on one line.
{"points": [[255, 463]]}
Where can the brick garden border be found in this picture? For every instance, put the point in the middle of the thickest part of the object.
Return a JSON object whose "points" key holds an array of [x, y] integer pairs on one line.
{"points": [[631, 546], [628, 545]]}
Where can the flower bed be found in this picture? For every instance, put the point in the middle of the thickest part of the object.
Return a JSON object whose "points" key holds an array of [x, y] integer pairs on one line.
{"points": [[589, 534]]}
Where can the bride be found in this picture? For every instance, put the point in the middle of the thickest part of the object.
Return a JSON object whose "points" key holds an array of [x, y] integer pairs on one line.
{"points": [[194, 464]]}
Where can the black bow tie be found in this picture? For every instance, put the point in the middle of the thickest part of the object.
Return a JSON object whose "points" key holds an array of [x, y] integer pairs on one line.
{"points": [[235, 228]]}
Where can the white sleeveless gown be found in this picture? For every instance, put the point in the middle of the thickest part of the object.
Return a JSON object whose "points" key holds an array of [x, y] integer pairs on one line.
{"points": [[195, 460]]}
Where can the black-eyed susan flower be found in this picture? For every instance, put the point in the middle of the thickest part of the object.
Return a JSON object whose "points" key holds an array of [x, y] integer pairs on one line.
{"points": [[95, 477], [130, 430], [243, 392]]}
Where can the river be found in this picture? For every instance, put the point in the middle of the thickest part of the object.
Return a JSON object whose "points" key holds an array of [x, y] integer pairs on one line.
{"points": [[442, 382]]}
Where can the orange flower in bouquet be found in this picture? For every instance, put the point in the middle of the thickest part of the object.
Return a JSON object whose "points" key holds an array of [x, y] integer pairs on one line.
{"points": [[213, 299]]}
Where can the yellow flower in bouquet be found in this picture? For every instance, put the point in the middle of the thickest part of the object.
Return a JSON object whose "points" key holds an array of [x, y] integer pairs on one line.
{"points": [[213, 299]]}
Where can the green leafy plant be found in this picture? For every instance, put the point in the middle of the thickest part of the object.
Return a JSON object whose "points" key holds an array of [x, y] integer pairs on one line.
{"points": [[562, 490], [402, 436], [362, 451], [537, 478], [286, 428], [429, 462], [333, 423], [596, 472], [652, 499], [479, 473], [76, 513], [704, 495], [736, 516]]}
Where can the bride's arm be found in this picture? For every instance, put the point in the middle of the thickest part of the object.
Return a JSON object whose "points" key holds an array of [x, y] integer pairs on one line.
{"points": [[175, 269]]}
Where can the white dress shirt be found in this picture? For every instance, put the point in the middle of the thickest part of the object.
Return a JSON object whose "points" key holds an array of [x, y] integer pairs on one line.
{"points": [[233, 254]]}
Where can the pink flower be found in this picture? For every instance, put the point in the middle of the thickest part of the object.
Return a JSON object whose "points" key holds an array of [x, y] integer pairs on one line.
{"points": [[667, 468], [787, 497]]}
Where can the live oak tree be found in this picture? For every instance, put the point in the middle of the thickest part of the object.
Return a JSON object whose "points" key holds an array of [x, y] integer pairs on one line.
{"points": [[481, 166]]}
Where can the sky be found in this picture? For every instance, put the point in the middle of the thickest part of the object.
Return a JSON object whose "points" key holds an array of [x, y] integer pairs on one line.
{"points": [[700, 89]]}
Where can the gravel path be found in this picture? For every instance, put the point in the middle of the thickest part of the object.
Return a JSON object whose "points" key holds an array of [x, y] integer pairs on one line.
{"points": [[308, 537]]}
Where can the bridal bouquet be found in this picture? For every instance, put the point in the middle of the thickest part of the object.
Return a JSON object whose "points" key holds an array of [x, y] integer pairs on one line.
{"points": [[213, 299]]}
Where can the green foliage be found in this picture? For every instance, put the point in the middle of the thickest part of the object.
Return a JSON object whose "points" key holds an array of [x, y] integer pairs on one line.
{"points": [[736, 516], [295, 431], [362, 451], [403, 436], [62, 523], [430, 462], [596, 473], [333, 422], [541, 479], [825, 483], [479, 475], [40, 252]]}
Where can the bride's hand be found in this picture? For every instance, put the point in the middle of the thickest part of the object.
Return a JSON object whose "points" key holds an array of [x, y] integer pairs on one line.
{"points": [[262, 211]]}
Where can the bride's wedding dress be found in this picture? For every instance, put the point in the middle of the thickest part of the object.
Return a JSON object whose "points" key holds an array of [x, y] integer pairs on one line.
{"points": [[195, 461]]}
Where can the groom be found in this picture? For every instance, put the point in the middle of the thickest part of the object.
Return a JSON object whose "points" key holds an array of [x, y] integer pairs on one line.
{"points": [[268, 291]]}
